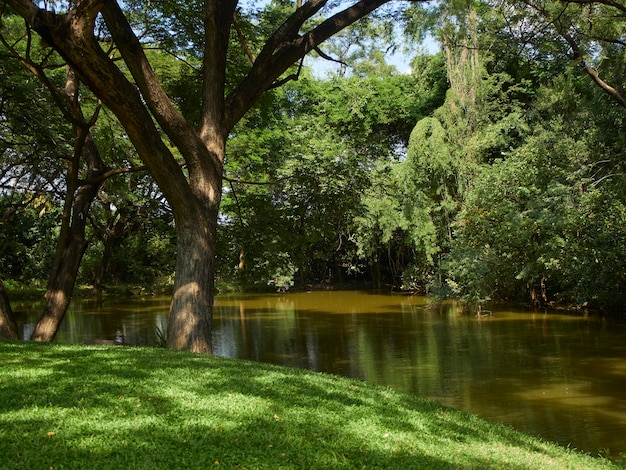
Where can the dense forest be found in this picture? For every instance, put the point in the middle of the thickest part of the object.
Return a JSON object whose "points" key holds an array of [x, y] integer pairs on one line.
{"points": [[492, 170]]}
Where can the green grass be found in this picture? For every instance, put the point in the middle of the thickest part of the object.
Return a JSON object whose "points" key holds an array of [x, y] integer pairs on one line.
{"points": [[83, 407]]}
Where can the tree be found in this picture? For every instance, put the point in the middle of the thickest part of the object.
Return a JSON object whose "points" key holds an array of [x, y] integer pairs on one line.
{"points": [[311, 160], [193, 190], [72, 242], [589, 32], [8, 328], [81, 174], [543, 220], [412, 207], [537, 224]]}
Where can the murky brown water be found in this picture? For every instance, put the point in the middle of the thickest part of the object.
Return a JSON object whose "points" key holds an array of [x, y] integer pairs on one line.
{"points": [[561, 376]]}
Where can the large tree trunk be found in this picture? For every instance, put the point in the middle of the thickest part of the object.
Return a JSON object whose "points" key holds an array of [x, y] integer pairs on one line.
{"points": [[8, 328], [189, 325], [191, 310]]}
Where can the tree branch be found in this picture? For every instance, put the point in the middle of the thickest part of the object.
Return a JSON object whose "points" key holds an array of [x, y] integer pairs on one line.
{"points": [[110, 173], [577, 54], [327, 57], [612, 92], [242, 40], [168, 117], [285, 47], [258, 183], [72, 35], [293, 76], [218, 17], [610, 3]]}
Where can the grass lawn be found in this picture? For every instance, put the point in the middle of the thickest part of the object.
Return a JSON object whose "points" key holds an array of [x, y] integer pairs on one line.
{"points": [[83, 407]]}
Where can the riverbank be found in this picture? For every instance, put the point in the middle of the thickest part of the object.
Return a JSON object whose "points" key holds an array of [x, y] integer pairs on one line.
{"points": [[68, 406]]}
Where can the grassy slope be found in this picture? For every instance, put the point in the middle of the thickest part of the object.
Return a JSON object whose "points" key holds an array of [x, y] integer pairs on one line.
{"points": [[83, 407]]}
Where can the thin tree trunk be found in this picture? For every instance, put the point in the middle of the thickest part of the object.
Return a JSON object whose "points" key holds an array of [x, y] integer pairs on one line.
{"points": [[8, 328], [60, 290], [63, 278], [112, 238], [70, 249], [376, 270], [102, 267]]}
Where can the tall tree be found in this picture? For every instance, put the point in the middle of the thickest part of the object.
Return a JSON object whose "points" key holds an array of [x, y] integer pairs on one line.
{"points": [[314, 154], [79, 196], [194, 192], [83, 170]]}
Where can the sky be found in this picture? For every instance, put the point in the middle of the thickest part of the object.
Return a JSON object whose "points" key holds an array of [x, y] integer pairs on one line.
{"points": [[400, 60]]}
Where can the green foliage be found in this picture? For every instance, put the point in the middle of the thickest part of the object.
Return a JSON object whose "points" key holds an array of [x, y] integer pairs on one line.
{"points": [[379, 112], [548, 220], [27, 238], [396, 217], [416, 201], [362, 50], [511, 189], [593, 268], [33, 137], [314, 155], [146, 257], [77, 407]]}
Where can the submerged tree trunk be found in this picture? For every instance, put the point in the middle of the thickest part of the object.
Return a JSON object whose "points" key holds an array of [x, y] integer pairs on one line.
{"points": [[8, 328]]}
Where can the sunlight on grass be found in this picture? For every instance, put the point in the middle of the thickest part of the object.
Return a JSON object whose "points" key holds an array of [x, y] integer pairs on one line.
{"points": [[92, 407]]}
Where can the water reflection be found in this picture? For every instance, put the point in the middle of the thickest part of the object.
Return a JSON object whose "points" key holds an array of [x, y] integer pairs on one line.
{"points": [[560, 376]]}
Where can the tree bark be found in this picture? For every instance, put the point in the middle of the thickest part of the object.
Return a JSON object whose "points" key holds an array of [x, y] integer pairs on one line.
{"points": [[71, 246], [8, 328], [189, 324]]}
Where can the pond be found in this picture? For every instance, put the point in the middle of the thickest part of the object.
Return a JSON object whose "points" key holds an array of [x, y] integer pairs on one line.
{"points": [[558, 375]]}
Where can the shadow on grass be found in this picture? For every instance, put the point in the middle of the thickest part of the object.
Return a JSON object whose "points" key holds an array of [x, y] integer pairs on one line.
{"points": [[93, 407]]}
